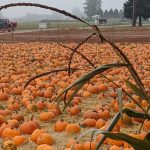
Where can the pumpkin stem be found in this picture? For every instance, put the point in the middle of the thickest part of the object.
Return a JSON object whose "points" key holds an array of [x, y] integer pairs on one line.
{"points": [[62, 120]]}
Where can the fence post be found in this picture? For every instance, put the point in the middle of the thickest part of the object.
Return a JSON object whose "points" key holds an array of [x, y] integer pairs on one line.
{"points": [[58, 25], [12, 34]]}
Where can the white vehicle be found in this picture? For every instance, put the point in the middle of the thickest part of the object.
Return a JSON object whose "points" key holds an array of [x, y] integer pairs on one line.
{"points": [[99, 20], [42, 25]]}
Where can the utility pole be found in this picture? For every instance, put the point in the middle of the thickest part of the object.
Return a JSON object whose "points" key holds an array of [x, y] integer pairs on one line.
{"points": [[134, 14]]}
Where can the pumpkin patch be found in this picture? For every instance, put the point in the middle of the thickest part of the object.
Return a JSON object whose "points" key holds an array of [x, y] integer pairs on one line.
{"points": [[33, 118]]}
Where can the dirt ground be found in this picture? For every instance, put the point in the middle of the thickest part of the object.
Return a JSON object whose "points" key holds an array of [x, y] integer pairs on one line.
{"points": [[76, 35]]}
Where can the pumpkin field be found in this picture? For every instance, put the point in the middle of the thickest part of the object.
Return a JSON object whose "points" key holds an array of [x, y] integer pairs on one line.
{"points": [[30, 116], [85, 95]]}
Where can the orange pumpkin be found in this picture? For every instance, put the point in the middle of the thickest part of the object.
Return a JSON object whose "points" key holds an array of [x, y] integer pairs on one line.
{"points": [[60, 126], [78, 146], [91, 114], [10, 133], [28, 127], [89, 122], [44, 138], [41, 105], [2, 120], [146, 125], [115, 142], [89, 146], [46, 116], [19, 140], [74, 110], [36, 133], [100, 123], [3, 96], [73, 128], [44, 147]]}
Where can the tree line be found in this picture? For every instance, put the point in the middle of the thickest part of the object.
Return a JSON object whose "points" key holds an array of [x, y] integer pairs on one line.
{"points": [[141, 10], [112, 13], [93, 7]]}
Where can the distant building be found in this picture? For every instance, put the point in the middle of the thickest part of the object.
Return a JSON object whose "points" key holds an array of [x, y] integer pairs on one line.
{"points": [[42, 25], [98, 20]]}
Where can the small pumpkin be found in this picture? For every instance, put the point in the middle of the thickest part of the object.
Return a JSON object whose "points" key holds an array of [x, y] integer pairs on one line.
{"points": [[28, 127], [2, 120], [3, 127], [89, 122], [18, 117], [13, 123], [10, 133], [115, 142], [60, 126], [78, 146], [36, 133], [46, 116], [44, 138], [19, 140], [5, 112], [100, 123], [41, 105], [73, 128], [75, 110], [91, 114], [44, 147], [3, 96], [89, 145], [102, 87]]}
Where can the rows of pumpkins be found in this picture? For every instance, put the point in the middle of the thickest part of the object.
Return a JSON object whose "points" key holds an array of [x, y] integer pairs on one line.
{"points": [[24, 111]]}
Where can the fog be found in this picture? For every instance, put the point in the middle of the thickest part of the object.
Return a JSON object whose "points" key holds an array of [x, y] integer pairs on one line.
{"points": [[67, 5]]}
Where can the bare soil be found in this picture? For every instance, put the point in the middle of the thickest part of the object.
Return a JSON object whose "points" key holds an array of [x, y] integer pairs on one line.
{"points": [[76, 35]]}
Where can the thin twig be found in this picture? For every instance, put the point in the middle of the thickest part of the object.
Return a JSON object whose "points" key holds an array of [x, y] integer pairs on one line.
{"points": [[49, 72], [76, 48], [124, 58], [84, 57]]}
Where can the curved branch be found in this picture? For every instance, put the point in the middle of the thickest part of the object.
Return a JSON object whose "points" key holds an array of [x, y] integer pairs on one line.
{"points": [[84, 57], [47, 73], [77, 47], [124, 58]]}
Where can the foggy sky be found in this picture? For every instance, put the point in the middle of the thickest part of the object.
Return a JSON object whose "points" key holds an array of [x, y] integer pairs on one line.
{"points": [[67, 5]]}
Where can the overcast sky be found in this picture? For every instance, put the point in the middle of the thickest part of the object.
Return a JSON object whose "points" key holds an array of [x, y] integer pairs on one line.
{"points": [[67, 5]]}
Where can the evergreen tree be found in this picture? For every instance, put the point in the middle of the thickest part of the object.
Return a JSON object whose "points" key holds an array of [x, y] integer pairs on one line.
{"points": [[111, 13], [142, 10], [121, 13], [116, 13], [106, 13], [100, 12], [92, 7]]}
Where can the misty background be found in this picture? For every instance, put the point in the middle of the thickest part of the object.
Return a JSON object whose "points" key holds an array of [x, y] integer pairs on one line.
{"points": [[35, 14]]}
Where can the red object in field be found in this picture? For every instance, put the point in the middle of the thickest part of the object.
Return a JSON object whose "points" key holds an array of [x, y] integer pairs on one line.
{"points": [[13, 25]]}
